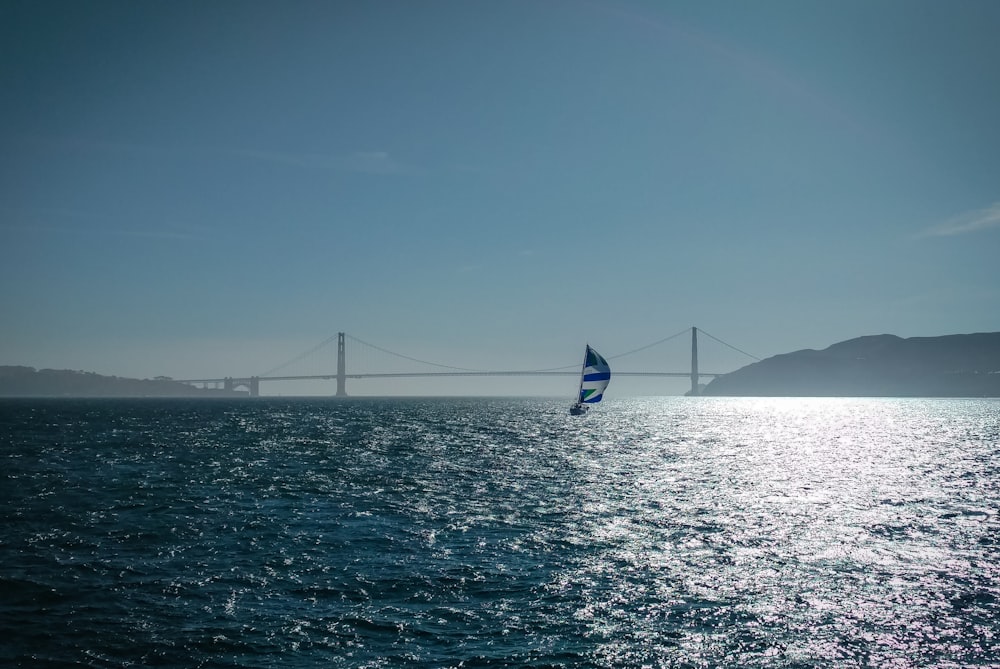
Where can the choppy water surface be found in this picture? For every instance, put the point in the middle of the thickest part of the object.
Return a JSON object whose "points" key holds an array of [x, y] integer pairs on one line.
{"points": [[432, 533]]}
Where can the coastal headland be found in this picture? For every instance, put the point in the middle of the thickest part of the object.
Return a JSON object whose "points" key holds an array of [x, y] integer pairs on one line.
{"points": [[962, 365]]}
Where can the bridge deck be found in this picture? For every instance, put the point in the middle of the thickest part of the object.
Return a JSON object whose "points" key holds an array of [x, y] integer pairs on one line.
{"points": [[400, 375]]}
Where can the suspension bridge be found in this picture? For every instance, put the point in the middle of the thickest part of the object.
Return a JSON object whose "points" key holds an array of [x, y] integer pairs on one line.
{"points": [[251, 384]]}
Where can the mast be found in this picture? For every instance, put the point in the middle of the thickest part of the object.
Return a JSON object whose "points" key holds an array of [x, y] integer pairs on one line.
{"points": [[583, 370]]}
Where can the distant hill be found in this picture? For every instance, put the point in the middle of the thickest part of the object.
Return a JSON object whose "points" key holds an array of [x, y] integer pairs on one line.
{"points": [[876, 366], [16, 381]]}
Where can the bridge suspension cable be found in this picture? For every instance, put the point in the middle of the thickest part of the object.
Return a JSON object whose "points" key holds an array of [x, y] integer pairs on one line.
{"points": [[655, 343], [406, 357], [300, 356], [749, 355], [620, 355], [332, 338]]}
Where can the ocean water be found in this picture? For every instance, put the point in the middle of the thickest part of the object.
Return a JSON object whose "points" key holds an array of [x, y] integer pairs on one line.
{"points": [[659, 532]]}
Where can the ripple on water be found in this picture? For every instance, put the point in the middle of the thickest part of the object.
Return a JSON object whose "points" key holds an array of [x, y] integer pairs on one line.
{"points": [[660, 532]]}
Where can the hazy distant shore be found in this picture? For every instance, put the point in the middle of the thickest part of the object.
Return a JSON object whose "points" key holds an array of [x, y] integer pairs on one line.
{"points": [[20, 381]]}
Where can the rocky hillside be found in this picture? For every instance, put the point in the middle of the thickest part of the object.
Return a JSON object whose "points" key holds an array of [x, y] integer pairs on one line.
{"points": [[876, 366]]}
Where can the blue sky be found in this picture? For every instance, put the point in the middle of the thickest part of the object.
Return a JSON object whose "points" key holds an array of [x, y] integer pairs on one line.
{"points": [[208, 189]]}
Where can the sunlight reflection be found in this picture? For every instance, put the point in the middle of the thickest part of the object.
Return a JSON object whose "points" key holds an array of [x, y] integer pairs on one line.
{"points": [[756, 511]]}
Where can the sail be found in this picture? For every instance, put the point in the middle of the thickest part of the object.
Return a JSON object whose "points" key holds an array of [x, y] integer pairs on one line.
{"points": [[596, 377]]}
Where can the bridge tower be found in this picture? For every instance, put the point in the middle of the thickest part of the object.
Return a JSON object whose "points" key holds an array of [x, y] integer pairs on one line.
{"points": [[694, 362], [341, 367]]}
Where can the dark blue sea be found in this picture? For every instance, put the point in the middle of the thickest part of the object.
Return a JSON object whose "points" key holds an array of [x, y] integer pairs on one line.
{"points": [[654, 532]]}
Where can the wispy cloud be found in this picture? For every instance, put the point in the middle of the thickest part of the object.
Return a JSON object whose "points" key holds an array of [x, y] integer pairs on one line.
{"points": [[56, 221], [969, 222], [360, 162], [364, 162], [105, 232]]}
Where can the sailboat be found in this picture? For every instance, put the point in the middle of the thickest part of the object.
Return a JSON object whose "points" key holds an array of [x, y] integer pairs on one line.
{"points": [[594, 378]]}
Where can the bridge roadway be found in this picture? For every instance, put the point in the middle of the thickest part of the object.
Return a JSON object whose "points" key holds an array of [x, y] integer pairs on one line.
{"points": [[237, 380]]}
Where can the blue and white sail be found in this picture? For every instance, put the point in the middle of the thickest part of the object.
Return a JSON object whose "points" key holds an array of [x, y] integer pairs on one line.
{"points": [[595, 378]]}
